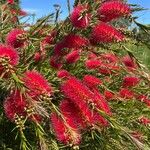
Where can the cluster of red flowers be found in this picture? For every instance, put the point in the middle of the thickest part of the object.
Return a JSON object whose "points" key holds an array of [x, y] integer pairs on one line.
{"points": [[15, 38], [36, 84], [9, 54], [8, 59], [76, 109], [15, 105], [100, 33], [82, 99], [105, 64], [104, 33], [18, 103], [80, 17], [113, 10]]}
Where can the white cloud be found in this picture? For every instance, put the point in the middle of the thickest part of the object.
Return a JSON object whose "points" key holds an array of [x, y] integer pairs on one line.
{"points": [[31, 10]]}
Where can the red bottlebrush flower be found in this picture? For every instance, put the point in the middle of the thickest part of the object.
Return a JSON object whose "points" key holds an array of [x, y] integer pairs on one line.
{"points": [[49, 39], [113, 10], [79, 94], [126, 93], [36, 84], [92, 56], [142, 98], [15, 38], [104, 33], [107, 69], [63, 74], [145, 99], [108, 95], [129, 62], [99, 120], [91, 81], [37, 57], [59, 128], [10, 54], [55, 62], [130, 81], [147, 102], [79, 17], [59, 49], [75, 41], [93, 64], [15, 104], [75, 117], [10, 1], [109, 57], [72, 57], [22, 13], [104, 69], [100, 102], [64, 132], [72, 114], [144, 120], [114, 68], [137, 135]]}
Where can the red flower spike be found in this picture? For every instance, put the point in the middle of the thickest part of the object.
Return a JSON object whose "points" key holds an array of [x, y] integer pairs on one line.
{"points": [[64, 132], [37, 57], [93, 64], [72, 114], [144, 120], [55, 62], [104, 33], [110, 57], [100, 102], [129, 62], [74, 41], [108, 95], [92, 56], [59, 128], [78, 94], [79, 17], [10, 1], [144, 99], [105, 70], [13, 40], [147, 102], [22, 13], [36, 84], [59, 49], [138, 135], [91, 81], [130, 81], [99, 120], [126, 93], [72, 57], [50, 38], [10, 54], [63, 74], [15, 104], [113, 10]]}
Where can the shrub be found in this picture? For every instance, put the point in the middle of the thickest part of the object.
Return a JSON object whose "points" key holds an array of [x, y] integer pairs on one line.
{"points": [[73, 85]]}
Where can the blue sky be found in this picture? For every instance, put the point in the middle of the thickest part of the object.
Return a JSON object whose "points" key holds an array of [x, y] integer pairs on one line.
{"points": [[44, 7]]}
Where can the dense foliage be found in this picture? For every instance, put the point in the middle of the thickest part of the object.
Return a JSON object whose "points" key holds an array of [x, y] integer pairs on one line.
{"points": [[76, 83]]}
